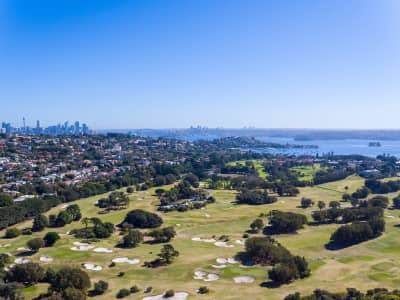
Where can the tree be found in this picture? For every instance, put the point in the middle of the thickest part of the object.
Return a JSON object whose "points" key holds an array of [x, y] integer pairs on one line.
{"points": [[40, 222], [321, 205], [139, 218], [129, 190], [63, 218], [12, 233], [334, 204], [4, 260], [132, 239], [163, 235], [396, 202], [168, 253], [306, 202], [100, 287], [51, 238], [5, 200], [74, 211], [122, 293], [282, 273], [35, 244], [346, 197], [29, 273], [69, 277], [286, 222], [11, 291], [257, 225]]}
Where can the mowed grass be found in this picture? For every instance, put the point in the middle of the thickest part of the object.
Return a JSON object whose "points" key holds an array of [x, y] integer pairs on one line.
{"points": [[371, 264], [306, 173]]}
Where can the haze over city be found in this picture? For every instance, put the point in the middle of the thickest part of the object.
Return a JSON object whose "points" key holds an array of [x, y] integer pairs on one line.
{"points": [[173, 64]]}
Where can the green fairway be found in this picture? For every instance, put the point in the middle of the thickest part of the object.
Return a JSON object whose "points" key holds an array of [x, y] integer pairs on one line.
{"points": [[375, 263]]}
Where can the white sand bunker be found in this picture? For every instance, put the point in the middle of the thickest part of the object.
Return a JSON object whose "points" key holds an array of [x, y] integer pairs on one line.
{"points": [[226, 260], [207, 215], [239, 242], [92, 267], [243, 279], [20, 261], [102, 250], [223, 244], [121, 260], [198, 239], [22, 249], [219, 266], [200, 275], [390, 217], [178, 225], [46, 259], [177, 296], [81, 246], [64, 206], [5, 245]]}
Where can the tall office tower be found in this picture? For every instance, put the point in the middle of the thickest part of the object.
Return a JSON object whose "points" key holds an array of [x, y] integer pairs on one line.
{"points": [[37, 124], [24, 124], [77, 127], [85, 128]]}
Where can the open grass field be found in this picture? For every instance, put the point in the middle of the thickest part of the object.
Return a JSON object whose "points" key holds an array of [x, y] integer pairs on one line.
{"points": [[257, 164], [306, 173], [371, 264]]}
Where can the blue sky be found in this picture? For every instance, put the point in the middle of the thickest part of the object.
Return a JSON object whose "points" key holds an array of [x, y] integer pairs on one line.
{"points": [[176, 63]]}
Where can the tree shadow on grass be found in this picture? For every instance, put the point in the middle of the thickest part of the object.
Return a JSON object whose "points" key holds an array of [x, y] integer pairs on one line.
{"points": [[270, 285], [334, 247], [25, 253]]}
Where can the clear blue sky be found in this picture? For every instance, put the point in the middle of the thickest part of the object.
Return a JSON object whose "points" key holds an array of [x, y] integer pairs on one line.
{"points": [[176, 63]]}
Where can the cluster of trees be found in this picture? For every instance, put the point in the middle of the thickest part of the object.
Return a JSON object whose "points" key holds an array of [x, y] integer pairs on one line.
{"points": [[99, 229], [357, 232], [350, 294], [348, 214], [183, 190], [329, 175], [379, 187], [70, 214], [254, 197], [18, 212], [286, 222], [114, 201], [64, 284], [139, 218], [266, 251]]}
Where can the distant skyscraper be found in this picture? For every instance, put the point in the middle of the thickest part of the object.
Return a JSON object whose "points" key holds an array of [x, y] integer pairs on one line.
{"points": [[37, 124]]}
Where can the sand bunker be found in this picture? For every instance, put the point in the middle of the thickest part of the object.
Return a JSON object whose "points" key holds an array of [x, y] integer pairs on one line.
{"points": [[46, 259], [390, 217], [200, 275], [223, 244], [198, 239], [207, 215], [81, 246], [20, 261], [22, 249], [226, 260], [239, 242], [177, 296], [64, 206], [219, 266], [92, 267], [5, 245], [243, 279], [102, 250], [121, 260]]}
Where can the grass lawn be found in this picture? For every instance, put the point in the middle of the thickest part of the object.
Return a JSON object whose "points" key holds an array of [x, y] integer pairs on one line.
{"points": [[375, 263]]}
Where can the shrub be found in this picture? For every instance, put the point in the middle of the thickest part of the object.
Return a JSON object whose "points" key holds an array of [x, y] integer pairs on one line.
{"points": [[40, 222], [135, 289], [169, 294], [122, 293], [203, 290], [51, 238], [35, 244], [12, 233], [100, 287]]}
